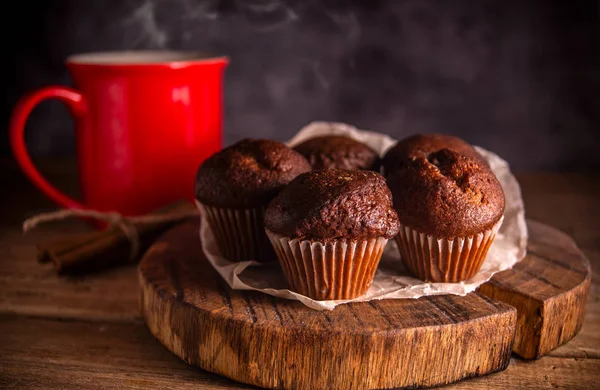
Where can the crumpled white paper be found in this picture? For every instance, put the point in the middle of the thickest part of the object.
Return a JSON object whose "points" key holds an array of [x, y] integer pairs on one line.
{"points": [[391, 281]]}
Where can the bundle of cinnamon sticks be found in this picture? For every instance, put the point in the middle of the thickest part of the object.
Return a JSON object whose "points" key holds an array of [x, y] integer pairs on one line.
{"points": [[97, 250]]}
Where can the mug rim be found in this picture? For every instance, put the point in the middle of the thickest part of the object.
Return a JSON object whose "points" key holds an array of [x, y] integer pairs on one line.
{"points": [[145, 58]]}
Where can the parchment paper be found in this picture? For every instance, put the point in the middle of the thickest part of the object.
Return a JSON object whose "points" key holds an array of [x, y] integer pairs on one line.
{"points": [[391, 280]]}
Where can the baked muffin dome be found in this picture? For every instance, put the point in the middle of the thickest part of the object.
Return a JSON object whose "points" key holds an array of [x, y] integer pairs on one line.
{"points": [[446, 194], [337, 151], [333, 204], [248, 173], [421, 145]]}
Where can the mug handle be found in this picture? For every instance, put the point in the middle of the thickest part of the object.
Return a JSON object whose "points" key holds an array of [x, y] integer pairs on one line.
{"points": [[77, 106]]}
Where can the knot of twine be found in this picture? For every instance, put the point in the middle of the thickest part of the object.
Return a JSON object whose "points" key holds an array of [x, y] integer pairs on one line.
{"points": [[125, 224]]}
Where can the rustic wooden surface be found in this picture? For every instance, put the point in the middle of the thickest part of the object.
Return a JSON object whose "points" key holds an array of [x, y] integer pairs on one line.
{"points": [[277, 343], [549, 288], [86, 332]]}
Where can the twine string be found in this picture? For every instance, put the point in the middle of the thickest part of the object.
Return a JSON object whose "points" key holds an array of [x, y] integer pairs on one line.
{"points": [[125, 224]]}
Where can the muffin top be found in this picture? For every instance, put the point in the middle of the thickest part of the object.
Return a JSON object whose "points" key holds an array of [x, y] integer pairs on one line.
{"points": [[421, 145], [334, 204], [338, 151], [446, 194], [248, 173]]}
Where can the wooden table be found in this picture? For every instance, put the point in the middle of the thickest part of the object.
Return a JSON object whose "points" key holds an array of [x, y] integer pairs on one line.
{"points": [[85, 332]]}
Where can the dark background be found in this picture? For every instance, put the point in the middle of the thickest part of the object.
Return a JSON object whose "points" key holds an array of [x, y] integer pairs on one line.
{"points": [[518, 77]]}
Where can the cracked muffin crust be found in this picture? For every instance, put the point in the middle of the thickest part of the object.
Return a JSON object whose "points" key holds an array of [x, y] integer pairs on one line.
{"points": [[421, 145], [446, 194], [248, 173], [334, 204]]}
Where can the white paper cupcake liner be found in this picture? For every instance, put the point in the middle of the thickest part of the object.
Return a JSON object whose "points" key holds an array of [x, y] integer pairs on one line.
{"points": [[443, 260], [342, 269], [239, 233]]}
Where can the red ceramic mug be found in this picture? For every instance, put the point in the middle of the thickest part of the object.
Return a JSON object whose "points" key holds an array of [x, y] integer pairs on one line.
{"points": [[144, 122]]}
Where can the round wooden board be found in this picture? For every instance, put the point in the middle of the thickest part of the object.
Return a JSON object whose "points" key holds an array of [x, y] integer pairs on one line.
{"points": [[549, 288], [276, 343]]}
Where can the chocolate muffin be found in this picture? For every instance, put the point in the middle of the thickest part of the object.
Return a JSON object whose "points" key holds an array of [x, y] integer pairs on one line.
{"points": [[233, 187], [329, 229], [450, 207], [338, 152], [421, 145]]}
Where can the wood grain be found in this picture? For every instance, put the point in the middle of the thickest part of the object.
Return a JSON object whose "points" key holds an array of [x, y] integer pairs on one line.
{"points": [[549, 288], [82, 355], [547, 373], [277, 343], [63, 352], [32, 289], [51, 355]]}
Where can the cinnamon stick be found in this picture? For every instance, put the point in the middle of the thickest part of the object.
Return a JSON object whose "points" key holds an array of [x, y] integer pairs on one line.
{"points": [[98, 250]]}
